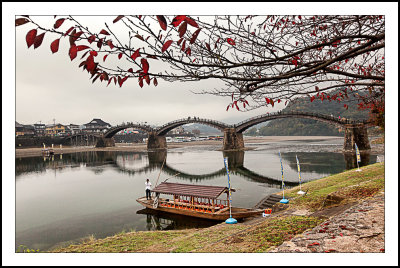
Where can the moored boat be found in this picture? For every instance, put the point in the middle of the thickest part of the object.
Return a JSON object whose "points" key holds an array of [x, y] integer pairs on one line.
{"points": [[196, 201]]}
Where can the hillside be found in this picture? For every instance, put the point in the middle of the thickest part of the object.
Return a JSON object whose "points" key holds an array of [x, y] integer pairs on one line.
{"points": [[309, 127]]}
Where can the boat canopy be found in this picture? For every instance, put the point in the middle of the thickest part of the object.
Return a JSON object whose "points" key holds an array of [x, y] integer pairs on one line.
{"points": [[203, 191]]}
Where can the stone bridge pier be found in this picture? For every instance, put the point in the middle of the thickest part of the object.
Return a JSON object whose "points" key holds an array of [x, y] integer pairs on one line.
{"points": [[105, 142], [156, 142], [232, 140], [356, 134]]}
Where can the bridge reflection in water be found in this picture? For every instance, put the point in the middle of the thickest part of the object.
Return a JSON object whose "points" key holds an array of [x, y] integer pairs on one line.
{"points": [[137, 163]]}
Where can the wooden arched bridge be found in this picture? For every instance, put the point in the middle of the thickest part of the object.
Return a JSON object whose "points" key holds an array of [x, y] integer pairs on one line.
{"points": [[355, 131]]}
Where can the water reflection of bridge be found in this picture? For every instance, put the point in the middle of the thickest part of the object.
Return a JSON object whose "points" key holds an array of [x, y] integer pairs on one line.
{"points": [[151, 161]]}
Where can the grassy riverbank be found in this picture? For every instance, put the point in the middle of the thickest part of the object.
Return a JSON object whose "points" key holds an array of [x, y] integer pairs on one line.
{"points": [[260, 234]]}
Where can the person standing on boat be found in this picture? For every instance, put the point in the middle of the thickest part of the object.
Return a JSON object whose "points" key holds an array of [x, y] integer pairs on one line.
{"points": [[148, 189]]}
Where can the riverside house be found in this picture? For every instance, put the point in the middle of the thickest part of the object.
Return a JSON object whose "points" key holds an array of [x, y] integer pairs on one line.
{"points": [[96, 126]]}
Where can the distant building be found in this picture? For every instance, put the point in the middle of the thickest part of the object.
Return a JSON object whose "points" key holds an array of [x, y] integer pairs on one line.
{"points": [[74, 129], [55, 130], [24, 130], [96, 126], [40, 129], [178, 130]]}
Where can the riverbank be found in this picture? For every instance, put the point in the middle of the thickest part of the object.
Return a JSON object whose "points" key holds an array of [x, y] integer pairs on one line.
{"points": [[339, 213], [141, 147]]}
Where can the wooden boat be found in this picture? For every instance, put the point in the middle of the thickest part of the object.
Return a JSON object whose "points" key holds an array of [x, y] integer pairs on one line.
{"points": [[196, 201]]}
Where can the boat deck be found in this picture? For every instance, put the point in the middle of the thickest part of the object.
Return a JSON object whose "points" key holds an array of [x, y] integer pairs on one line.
{"points": [[202, 211]]}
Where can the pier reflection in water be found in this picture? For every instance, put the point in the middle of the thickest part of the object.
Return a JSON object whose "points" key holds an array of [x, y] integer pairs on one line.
{"points": [[63, 198]]}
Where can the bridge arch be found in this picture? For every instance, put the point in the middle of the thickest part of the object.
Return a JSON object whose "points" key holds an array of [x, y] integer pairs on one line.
{"points": [[164, 129], [114, 130], [81, 139], [246, 124]]}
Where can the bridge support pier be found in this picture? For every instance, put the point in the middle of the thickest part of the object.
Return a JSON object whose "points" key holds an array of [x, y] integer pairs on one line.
{"points": [[105, 142], [155, 142], [235, 159], [232, 140], [356, 134]]}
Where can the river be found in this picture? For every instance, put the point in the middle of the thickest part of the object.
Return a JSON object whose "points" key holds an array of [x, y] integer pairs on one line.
{"points": [[65, 198]]}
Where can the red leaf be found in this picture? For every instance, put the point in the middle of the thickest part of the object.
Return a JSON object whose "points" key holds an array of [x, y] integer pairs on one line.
{"points": [[38, 40], [135, 54], [191, 22], [230, 41], [272, 102], [91, 39], [237, 107], [294, 62], [74, 36], [140, 37], [21, 21], [105, 57], [90, 63], [227, 108], [141, 81], [130, 70], [58, 23], [166, 45], [267, 100], [162, 22], [208, 46], [104, 32], [81, 47], [155, 81], [121, 81], [69, 30], [183, 45], [117, 18], [182, 29], [93, 53], [147, 78], [30, 37], [100, 43], [73, 52], [312, 98], [145, 65], [119, 55], [194, 36], [110, 44], [54, 45], [188, 51], [177, 20]]}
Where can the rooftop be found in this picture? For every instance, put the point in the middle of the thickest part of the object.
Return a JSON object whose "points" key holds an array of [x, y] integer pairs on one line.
{"points": [[203, 191]]}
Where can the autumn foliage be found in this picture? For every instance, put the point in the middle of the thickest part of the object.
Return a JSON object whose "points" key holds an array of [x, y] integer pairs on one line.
{"points": [[263, 60]]}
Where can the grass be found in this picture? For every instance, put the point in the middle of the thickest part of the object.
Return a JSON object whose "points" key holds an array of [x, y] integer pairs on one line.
{"points": [[349, 185]]}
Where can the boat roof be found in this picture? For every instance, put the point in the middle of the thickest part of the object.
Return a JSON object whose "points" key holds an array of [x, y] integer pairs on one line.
{"points": [[204, 191]]}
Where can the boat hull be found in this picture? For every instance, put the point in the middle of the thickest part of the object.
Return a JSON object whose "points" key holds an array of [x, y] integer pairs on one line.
{"points": [[237, 213]]}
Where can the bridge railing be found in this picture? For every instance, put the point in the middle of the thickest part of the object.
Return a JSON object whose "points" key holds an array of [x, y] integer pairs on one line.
{"points": [[323, 116], [212, 122]]}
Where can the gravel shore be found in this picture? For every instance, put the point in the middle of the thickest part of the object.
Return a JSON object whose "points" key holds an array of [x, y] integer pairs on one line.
{"points": [[360, 228]]}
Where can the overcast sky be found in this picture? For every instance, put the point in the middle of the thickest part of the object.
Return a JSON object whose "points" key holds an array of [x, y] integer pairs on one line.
{"points": [[50, 86]]}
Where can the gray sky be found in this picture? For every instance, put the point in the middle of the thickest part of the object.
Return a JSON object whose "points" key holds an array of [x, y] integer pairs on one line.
{"points": [[50, 86]]}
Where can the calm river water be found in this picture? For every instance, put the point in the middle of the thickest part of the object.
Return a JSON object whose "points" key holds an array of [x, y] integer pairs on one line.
{"points": [[65, 198]]}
